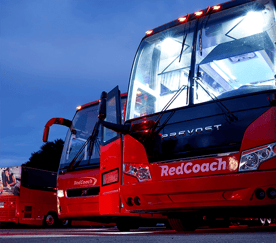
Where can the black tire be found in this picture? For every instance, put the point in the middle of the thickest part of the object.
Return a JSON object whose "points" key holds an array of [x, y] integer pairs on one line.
{"points": [[128, 223], [123, 225], [181, 225], [65, 222], [51, 220]]}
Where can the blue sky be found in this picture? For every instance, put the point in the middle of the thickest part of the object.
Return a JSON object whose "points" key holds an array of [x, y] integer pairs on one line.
{"points": [[58, 54]]}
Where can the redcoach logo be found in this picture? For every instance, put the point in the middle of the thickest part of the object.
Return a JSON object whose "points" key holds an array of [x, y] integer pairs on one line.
{"points": [[90, 181], [189, 167]]}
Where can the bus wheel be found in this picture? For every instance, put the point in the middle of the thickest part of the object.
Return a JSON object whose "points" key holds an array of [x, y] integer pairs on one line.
{"points": [[50, 220], [65, 222], [180, 225], [123, 225]]}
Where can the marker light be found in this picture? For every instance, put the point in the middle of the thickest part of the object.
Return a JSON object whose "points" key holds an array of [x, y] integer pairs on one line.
{"points": [[251, 159], [149, 32], [182, 19], [78, 107], [198, 13], [216, 7]]}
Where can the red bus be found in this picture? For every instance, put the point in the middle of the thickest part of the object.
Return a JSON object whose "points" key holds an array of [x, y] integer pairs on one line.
{"points": [[28, 196], [82, 193], [199, 137]]}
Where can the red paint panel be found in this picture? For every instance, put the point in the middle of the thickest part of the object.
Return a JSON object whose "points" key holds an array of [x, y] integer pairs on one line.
{"points": [[79, 206], [109, 200], [261, 131], [235, 190], [134, 151], [79, 179], [268, 165]]}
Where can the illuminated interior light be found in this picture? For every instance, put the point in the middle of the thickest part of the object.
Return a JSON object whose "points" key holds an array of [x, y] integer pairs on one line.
{"points": [[139, 92], [216, 7], [78, 107], [149, 32], [254, 22], [170, 46], [198, 13], [182, 19]]}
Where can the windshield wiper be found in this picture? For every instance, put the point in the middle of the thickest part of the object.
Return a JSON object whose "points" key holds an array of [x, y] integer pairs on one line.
{"points": [[198, 79], [157, 120], [91, 139], [201, 28], [184, 36], [224, 109]]}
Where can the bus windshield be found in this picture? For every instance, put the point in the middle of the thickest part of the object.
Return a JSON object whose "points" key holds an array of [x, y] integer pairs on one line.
{"points": [[234, 55], [82, 127], [76, 146]]}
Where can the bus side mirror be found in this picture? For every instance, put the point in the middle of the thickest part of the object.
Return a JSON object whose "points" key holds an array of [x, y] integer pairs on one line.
{"points": [[45, 134], [56, 120], [102, 109]]}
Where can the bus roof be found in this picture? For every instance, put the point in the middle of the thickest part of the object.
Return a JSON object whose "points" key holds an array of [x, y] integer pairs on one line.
{"points": [[123, 95], [194, 15]]}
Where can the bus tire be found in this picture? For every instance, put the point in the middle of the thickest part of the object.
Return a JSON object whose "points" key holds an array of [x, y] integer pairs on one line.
{"points": [[123, 225], [51, 220], [65, 222]]}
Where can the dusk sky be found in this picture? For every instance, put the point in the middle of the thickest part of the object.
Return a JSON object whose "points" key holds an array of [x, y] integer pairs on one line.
{"points": [[58, 54]]}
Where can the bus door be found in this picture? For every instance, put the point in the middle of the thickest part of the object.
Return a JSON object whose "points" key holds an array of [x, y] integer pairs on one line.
{"points": [[111, 157]]}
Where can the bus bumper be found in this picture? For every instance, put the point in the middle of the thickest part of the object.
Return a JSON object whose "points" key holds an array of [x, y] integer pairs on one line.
{"points": [[246, 193]]}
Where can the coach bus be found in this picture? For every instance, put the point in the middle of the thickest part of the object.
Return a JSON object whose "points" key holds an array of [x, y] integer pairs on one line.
{"points": [[80, 187], [199, 136], [28, 196]]}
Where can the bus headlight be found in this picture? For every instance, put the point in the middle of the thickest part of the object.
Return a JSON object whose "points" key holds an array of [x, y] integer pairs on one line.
{"points": [[140, 171], [251, 159], [60, 193]]}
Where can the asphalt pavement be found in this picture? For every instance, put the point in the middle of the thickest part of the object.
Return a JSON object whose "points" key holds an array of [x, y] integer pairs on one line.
{"points": [[157, 234]]}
